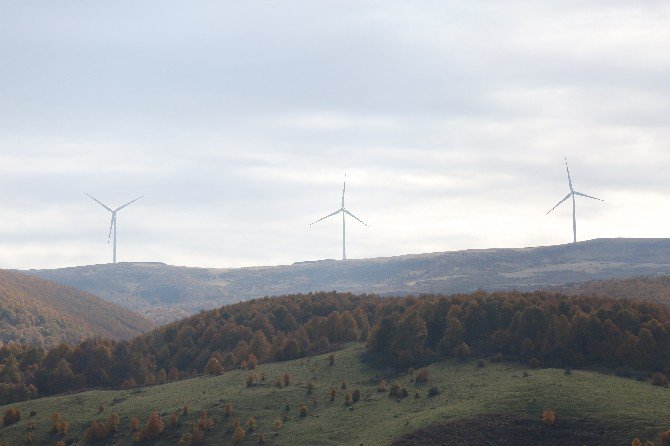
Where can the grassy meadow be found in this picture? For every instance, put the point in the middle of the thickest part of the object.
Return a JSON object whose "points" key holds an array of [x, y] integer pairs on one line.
{"points": [[628, 408]]}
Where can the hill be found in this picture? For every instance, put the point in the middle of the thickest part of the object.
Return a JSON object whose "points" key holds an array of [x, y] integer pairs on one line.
{"points": [[650, 288], [40, 312], [163, 293], [497, 403]]}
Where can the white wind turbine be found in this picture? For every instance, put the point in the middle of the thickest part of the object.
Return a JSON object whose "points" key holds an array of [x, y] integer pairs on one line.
{"points": [[113, 224], [572, 194], [344, 211]]}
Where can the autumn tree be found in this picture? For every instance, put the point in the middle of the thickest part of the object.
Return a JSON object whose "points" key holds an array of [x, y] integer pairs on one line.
{"points": [[238, 435]]}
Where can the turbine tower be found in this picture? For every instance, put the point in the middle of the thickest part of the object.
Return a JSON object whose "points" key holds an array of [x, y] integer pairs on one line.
{"points": [[344, 212], [572, 194], [113, 224]]}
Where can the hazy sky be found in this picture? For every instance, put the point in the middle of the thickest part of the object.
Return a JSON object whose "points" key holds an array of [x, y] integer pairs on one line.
{"points": [[238, 121]]}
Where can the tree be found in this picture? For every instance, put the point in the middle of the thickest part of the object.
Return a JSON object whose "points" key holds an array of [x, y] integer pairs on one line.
{"points": [[238, 435], [11, 416], [213, 367], [154, 426], [260, 346]]}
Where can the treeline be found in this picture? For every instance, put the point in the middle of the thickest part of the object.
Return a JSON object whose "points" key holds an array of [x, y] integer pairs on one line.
{"points": [[239, 335], [542, 328]]}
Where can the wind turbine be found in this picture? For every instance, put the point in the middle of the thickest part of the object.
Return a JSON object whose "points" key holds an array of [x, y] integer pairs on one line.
{"points": [[344, 212], [572, 194], [113, 224]]}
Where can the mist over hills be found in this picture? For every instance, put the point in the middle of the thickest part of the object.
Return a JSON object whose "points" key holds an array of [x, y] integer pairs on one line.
{"points": [[40, 312], [163, 292]]}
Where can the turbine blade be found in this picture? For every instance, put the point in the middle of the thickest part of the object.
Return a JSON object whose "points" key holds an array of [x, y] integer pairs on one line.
{"points": [[569, 179], [587, 196], [566, 197], [111, 225], [329, 215], [100, 203], [352, 215], [344, 188], [130, 202]]}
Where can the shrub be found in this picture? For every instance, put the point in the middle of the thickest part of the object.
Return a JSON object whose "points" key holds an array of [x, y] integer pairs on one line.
{"points": [[303, 410], [228, 409], [60, 443], [310, 388], [347, 399], [238, 435], [32, 414], [534, 363], [287, 379], [261, 438], [29, 438], [287, 407], [462, 350], [433, 391], [421, 376], [134, 424], [252, 361], [567, 371], [416, 395], [173, 419], [277, 424], [11, 416], [410, 371], [205, 422], [251, 423], [356, 395], [496, 357], [664, 438], [236, 423], [395, 391], [213, 367], [659, 379], [114, 421], [184, 410], [250, 379], [636, 442], [278, 383], [344, 385], [331, 359], [101, 408], [63, 427], [381, 387], [55, 417], [549, 417], [332, 393], [154, 426]]}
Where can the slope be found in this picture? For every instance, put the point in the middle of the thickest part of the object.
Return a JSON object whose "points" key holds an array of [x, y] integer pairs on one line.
{"points": [[162, 292], [650, 288], [599, 404], [36, 311]]}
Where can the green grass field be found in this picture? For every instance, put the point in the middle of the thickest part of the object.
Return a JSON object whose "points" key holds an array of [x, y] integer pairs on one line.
{"points": [[629, 408]]}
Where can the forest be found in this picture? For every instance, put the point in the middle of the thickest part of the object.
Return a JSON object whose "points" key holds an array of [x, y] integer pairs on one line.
{"points": [[539, 328]]}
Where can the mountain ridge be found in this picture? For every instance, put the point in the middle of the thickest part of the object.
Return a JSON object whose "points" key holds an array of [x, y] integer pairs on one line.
{"points": [[163, 292]]}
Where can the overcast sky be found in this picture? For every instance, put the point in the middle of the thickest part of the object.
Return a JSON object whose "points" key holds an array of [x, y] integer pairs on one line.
{"points": [[238, 120]]}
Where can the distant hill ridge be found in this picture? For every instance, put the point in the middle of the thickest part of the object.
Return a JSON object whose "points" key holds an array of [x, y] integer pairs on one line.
{"points": [[41, 312], [163, 293]]}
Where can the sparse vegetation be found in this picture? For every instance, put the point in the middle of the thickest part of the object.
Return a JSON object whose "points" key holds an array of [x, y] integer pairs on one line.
{"points": [[549, 417]]}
